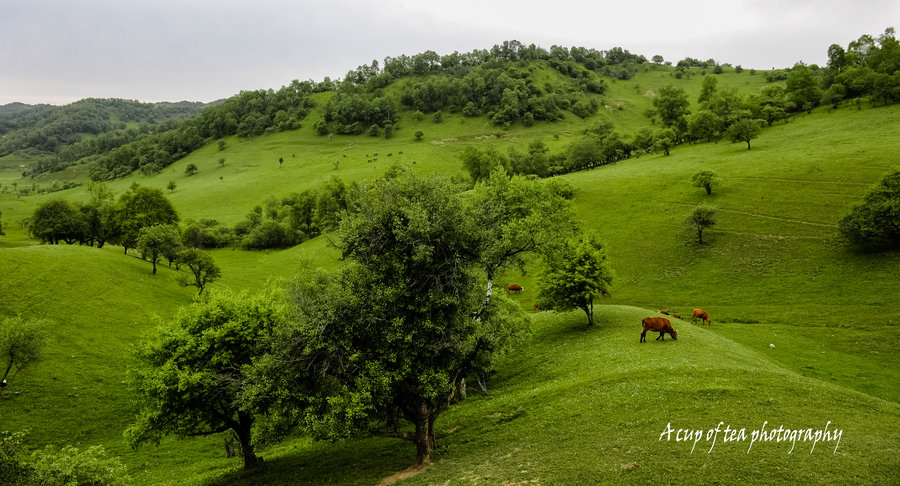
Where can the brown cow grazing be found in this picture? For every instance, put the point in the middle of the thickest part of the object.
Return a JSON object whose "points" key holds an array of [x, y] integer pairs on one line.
{"points": [[702, 315], [515, 288], [660, 325]]}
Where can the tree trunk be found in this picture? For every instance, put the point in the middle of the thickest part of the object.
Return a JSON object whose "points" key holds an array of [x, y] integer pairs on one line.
{"points": [[154, 266], [243, 432], [487, 295], [461, 389], [589, 310], [424, 434], [748, 144]]}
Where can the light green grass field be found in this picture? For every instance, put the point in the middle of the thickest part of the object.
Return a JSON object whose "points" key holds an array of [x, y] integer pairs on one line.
{"points": [[575, 405]]}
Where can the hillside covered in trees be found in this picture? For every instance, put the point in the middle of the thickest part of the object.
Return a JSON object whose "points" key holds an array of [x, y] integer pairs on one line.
{"points": [[402, 212]]}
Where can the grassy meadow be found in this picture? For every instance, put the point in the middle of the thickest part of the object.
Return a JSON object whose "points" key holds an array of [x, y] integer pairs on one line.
{"points": [[574, 405]]}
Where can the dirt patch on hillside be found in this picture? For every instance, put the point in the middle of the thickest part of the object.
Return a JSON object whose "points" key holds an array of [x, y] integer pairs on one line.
{"points": [[404, 474]]}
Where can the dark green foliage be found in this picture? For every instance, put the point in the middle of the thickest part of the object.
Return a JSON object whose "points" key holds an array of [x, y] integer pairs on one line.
{"points": [[191, 169], [744, 130], [14, 470], [397, 326], [202, 267], [55, 221], [802, 89], [419, 135], [140, 207], [206, 233], [159, 241], [870, 66], [284, 223], [479, 164], [247, 114], [576, 274], [705, 125], [664, 139], [593, 151], [61, 130], [352, 112], [71, 466], [701, 217], [705, 179], [876, 221], [67, 467], [321, 127], [269, 234], [672, 105], [191, 375], [22, 344]]}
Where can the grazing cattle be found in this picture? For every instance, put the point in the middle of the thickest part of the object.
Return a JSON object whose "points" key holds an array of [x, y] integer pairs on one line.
{"points": [[515, 288], [660, 325], [701, 314]]}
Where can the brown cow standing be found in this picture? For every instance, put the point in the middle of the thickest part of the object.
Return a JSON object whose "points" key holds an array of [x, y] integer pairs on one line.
{"points": [[660, 325], [515, 288], [702, 315]]}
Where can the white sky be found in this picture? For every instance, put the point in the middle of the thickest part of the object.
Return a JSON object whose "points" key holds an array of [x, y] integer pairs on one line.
{"points": [[59, 51]]}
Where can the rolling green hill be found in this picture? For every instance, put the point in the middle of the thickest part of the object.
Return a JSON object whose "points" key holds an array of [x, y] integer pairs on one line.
{"points": [[575, 405]]}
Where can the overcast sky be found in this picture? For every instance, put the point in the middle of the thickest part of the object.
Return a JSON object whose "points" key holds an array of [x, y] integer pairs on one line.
{"points": [[59, 51]]}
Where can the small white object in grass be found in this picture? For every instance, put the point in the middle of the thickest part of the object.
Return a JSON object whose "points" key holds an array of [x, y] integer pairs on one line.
{"points": [[771, 345]]}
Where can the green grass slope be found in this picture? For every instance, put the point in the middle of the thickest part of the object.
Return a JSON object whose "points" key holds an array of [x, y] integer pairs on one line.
{"points": [[99, 303], [575, 406], [588, 406]]}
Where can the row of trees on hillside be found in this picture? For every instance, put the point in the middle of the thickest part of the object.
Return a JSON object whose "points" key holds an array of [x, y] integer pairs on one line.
{"points": [[498, 83], [869, 66], [50, 129], [875, 222], [384, 345], [141, 218], [247, 114]]}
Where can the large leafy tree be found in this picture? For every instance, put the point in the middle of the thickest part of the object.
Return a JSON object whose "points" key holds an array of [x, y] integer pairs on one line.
{"points": [[744, 130], [701, 217], [202, 266], [876, 221], [21, 344], [706, 179], [397, 330], [191, 378], [517, 217], [55, 221], [141, 207], [671, 102], [159, 241], [576, 274], [802, 88]]}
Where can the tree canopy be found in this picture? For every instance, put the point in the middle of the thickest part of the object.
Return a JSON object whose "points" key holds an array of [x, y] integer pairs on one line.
{"points": [[876, 221], [576, 274], [410, 316], [191, 378], [701, 217], [141, 207], [706, 179], [21, 344]]}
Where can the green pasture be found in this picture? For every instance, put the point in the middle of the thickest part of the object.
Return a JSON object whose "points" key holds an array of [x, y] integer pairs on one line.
{"points": [[573, 405]]}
